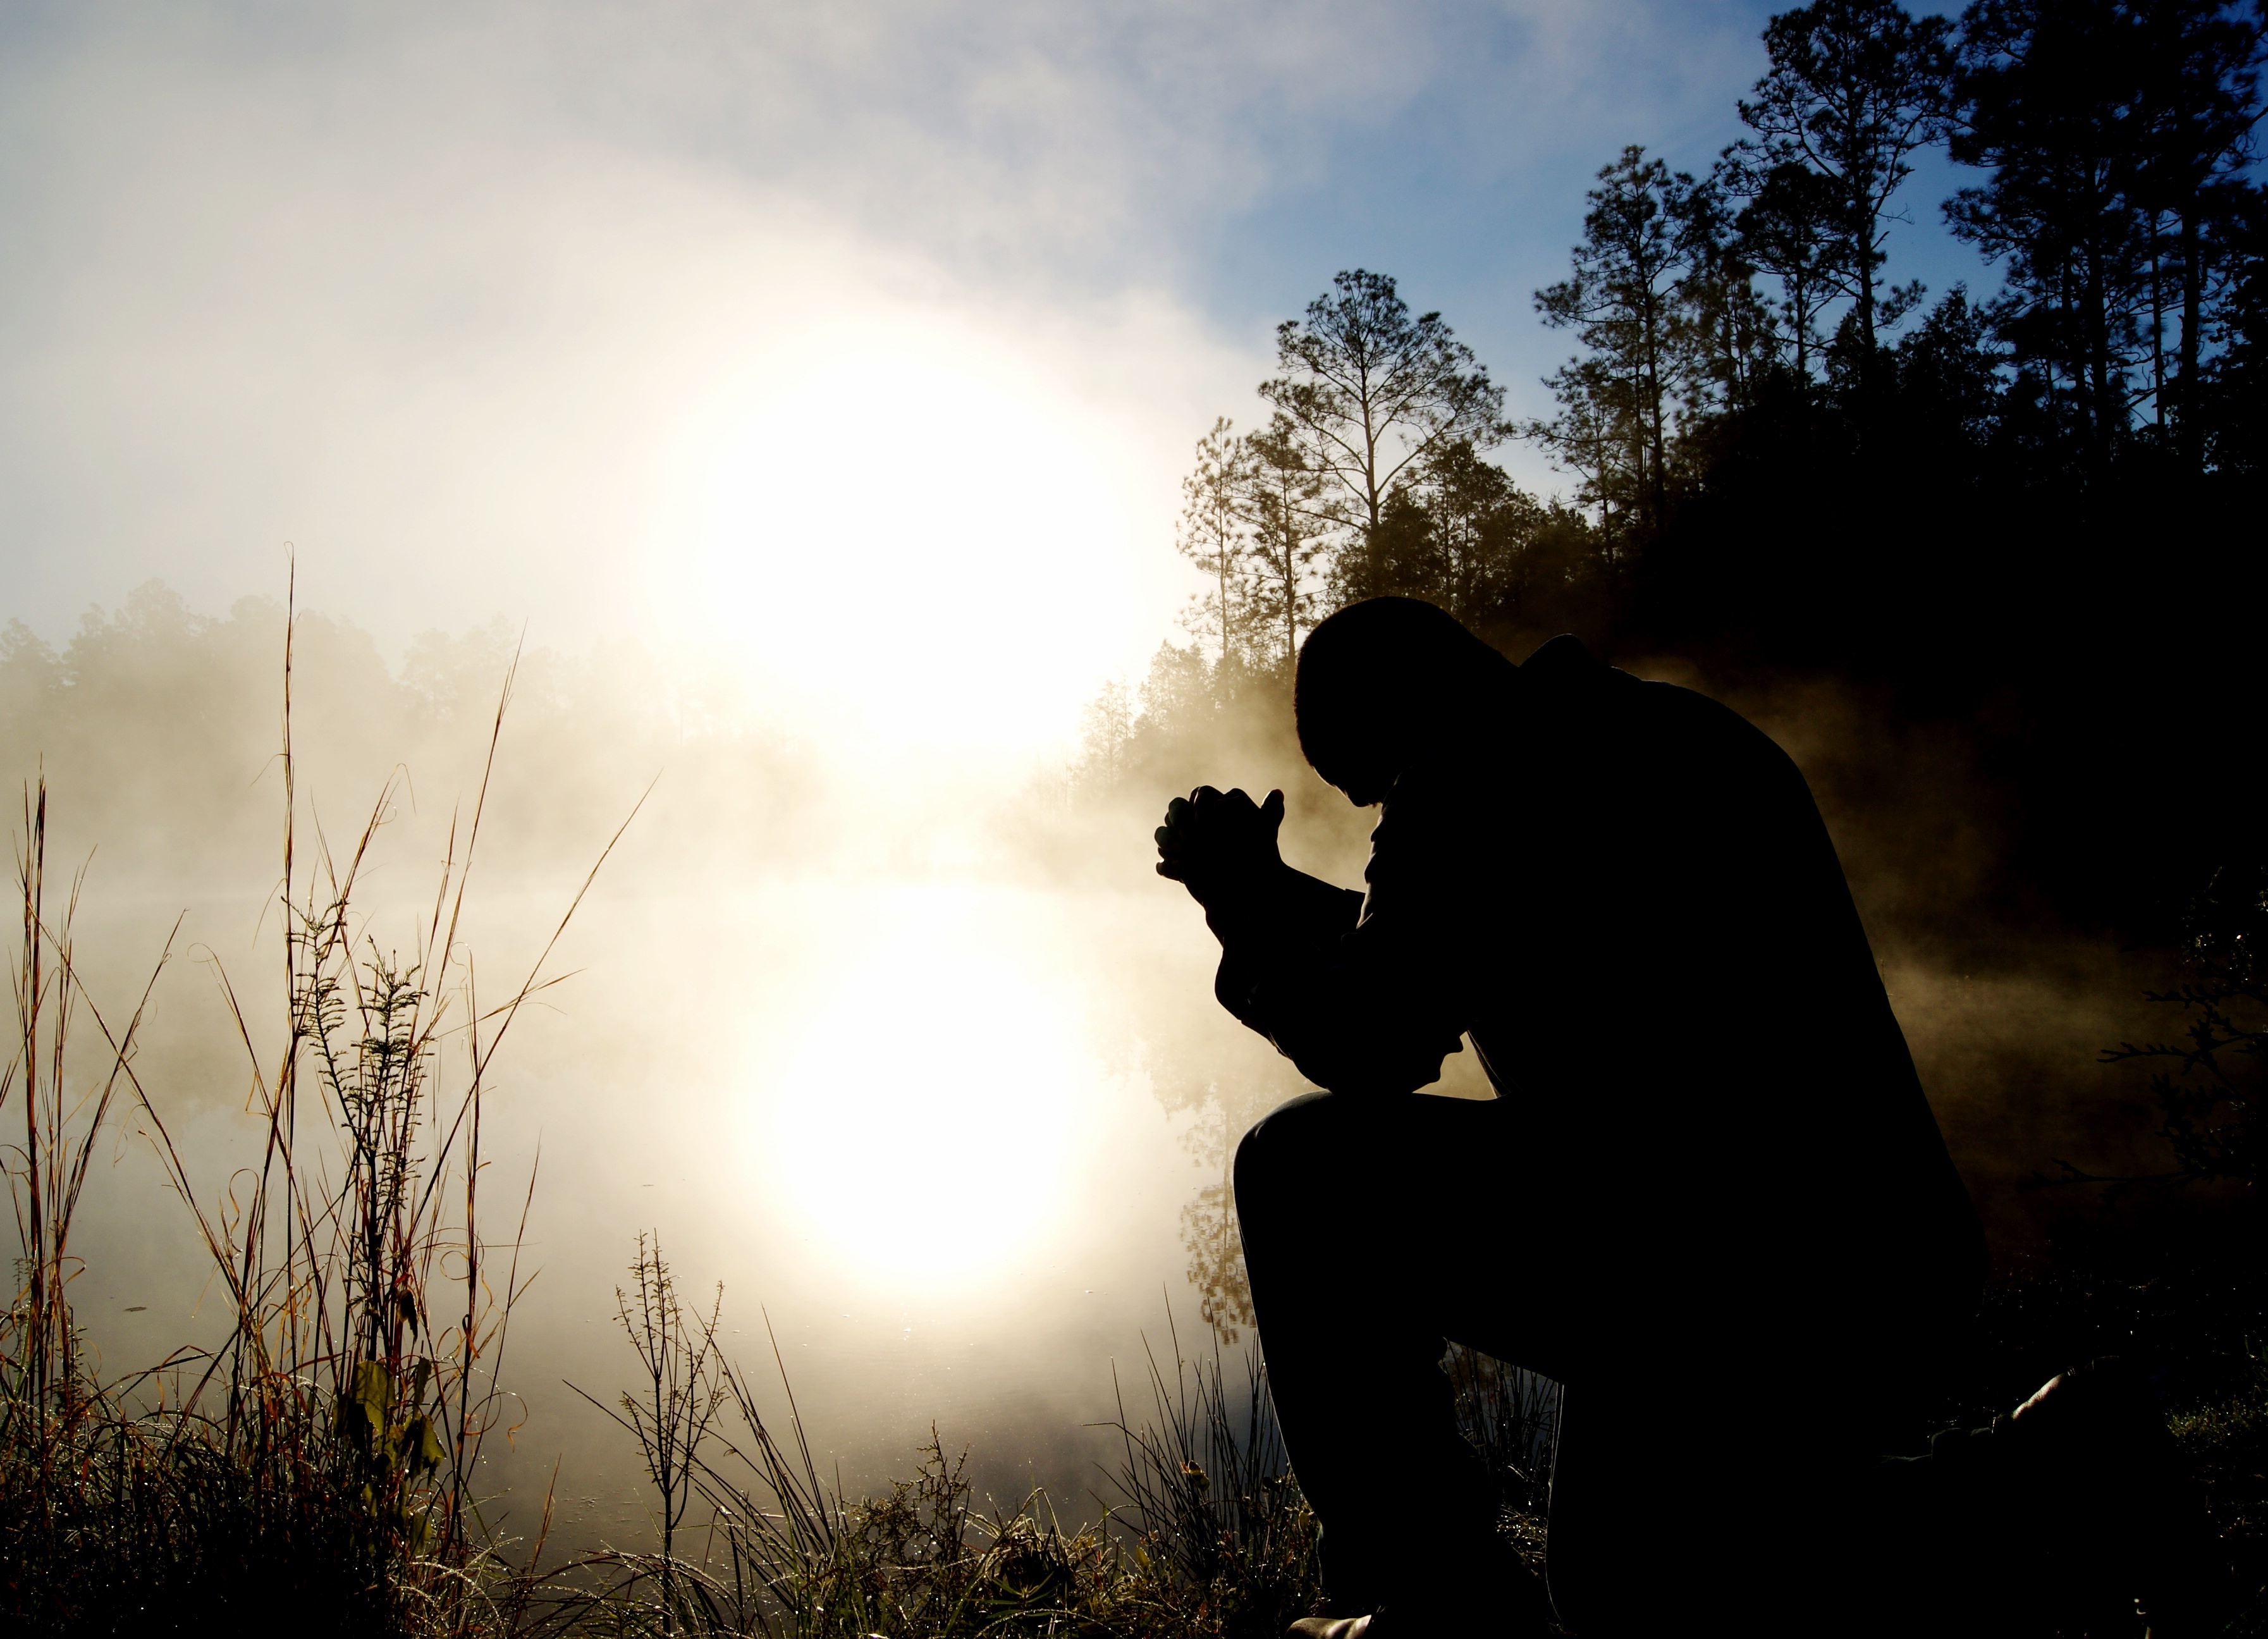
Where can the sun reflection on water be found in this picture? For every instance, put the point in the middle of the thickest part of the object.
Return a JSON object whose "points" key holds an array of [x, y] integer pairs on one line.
{"points": [[927, 1125]]}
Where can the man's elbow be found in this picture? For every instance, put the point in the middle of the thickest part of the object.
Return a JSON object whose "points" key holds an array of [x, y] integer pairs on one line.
{"points": [[1365, 1068]]}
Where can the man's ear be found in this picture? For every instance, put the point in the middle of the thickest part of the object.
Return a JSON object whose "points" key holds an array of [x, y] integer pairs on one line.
{"points": [[1272, 811]]}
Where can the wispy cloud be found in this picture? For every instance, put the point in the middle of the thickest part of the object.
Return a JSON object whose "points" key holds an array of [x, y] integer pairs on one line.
{"points": [[467, 300]]}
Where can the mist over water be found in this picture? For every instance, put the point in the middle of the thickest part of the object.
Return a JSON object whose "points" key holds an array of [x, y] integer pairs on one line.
{"points": [[829, 1027], [2005, 1004]]}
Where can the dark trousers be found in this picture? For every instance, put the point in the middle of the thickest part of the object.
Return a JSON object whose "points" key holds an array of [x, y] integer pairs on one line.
{"points": [[1702, 1474]]}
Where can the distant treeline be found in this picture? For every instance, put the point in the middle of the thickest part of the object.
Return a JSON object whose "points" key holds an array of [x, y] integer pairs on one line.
{"points": [[156, 730], [2036, 516]]}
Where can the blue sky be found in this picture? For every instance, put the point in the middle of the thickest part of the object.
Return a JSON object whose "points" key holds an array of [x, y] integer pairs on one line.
{"points": [[621, 318]]}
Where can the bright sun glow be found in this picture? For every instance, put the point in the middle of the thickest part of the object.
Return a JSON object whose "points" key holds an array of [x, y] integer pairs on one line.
{"points": [[924, 534], [926, 1125]]}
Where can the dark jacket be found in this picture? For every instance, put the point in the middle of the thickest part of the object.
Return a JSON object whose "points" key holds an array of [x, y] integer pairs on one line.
{"points": [[1623, 892]]}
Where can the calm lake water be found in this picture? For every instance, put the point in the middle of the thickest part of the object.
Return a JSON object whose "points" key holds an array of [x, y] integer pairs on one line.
{"points": [[949, 1139]]}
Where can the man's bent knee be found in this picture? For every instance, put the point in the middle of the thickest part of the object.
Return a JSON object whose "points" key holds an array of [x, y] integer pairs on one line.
{"points": [[1307, 1141], [1287, 1135]]}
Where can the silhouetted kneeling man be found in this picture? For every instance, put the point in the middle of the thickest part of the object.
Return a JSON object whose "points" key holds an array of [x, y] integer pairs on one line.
{"points": [[1710, 1197]]}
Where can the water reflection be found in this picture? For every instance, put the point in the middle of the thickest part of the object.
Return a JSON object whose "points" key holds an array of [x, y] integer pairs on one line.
{"points": [[945, 1064], [1216, 1269], [960, 1141], [965, 1118]]}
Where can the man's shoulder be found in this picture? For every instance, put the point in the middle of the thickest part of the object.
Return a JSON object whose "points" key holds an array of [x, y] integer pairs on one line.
{"points": [[1564, 659], [1563, 673], [1598, 717]]}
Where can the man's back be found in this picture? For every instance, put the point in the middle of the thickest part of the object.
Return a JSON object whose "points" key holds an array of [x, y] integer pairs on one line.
{"points": [[1677, 985]]}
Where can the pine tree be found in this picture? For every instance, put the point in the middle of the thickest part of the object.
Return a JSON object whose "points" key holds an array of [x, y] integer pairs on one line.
{"points": [[1788, 229], [1727, 326], [1286, 505], [1623, 301], [1856, 88], [1212, 536], [2114, 134], [1367, 393]]}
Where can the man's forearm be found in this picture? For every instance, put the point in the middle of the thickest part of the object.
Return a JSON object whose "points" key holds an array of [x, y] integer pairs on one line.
{"points": [[1280, 924], [1365, 1011], [1283, 908]]}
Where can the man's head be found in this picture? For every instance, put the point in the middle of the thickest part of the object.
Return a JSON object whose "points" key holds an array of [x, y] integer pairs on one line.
{"points": [[1384, 682]]}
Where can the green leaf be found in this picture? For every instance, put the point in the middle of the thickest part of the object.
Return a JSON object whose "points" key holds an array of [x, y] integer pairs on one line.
{"points": [[421, 1444]]}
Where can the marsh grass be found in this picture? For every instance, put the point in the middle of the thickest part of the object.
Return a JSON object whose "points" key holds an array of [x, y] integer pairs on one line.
{"points": [[2224, 1438], [322, 1462], [1200, 1531], [1512, 1418], [1214, 1519]]}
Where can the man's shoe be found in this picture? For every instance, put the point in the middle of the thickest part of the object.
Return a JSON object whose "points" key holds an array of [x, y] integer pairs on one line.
{"points": [[1493, 1621], [2098, 1454]]}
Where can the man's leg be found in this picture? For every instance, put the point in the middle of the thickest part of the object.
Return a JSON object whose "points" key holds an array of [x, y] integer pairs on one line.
{"points": [[1693, 1478], [1373, 1229], [1683, 1502]]}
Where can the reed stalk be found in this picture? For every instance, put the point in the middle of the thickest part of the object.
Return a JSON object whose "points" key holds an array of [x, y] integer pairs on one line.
{"points": [[321, 1462]]}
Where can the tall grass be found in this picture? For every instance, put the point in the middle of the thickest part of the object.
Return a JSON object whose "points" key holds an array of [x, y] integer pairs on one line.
{"points": [[1203, 1532], [1512, 1418], [321, 1462], [1214, 1516], [62, 1455]]}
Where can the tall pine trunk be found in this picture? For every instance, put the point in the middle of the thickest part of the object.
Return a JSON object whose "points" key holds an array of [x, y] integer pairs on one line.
{"points": [[2157, 325], [2102, 392], [2188, 425], [1655, 443], [1862, 253]]}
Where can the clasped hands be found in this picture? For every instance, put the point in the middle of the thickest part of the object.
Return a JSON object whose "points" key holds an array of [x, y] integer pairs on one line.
{"points": [[1221, 845]]}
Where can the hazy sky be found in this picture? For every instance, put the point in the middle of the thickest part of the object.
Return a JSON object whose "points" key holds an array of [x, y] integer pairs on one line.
{"points": [[799, 332]]}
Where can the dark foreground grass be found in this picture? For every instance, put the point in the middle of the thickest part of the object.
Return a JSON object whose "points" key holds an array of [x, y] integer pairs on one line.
{"points": [[1198, 1530], [2179, 1288], [1202, 1530], [318, 1463]]}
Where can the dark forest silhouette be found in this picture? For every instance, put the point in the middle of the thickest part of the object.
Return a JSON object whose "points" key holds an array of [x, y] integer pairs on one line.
{"points": [[1994, 559], [2036, 513]]}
